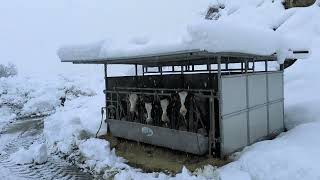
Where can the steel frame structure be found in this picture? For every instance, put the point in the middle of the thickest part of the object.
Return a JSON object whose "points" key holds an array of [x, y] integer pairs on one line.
{"points": [[218, 65], [214, 63]]}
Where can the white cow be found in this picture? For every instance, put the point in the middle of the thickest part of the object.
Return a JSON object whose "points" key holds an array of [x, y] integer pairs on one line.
{"points": [[148, 107], [133, 98], [183, 109], [164, 105]]}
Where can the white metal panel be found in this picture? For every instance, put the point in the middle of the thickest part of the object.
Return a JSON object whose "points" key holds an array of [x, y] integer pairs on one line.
{"points": [[275, 84], [245, 108], [257, 87], [275, 117], [258, 123], [234, 133], [233, 94]]}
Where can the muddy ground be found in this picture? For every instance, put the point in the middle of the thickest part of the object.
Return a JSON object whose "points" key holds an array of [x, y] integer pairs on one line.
{"points": [[151, 158]]}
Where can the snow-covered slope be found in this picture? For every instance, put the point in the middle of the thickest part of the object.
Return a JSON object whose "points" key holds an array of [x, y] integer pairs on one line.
{"points": [[302, 79]]}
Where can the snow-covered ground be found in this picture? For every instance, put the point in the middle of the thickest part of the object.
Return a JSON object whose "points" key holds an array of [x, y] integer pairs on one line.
{"points": [[292, 155], [7, 174]]}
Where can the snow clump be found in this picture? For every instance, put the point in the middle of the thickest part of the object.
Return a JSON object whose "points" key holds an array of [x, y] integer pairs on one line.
{"points": [[99, 156], [37, 153]]}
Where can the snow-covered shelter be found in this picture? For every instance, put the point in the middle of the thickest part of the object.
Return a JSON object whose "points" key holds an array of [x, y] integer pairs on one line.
{"points": [[208, 93]]}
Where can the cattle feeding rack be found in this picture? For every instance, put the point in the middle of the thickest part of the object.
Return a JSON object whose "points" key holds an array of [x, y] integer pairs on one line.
{"points": [[195, 101]]}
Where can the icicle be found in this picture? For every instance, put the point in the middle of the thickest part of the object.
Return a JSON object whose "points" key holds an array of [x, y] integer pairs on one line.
{"points": [[183, 109], [148, 107], [164, 105]]}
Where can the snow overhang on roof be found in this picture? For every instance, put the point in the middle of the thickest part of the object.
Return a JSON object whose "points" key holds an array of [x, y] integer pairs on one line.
{"points": [[195, 56], [200, 43]]}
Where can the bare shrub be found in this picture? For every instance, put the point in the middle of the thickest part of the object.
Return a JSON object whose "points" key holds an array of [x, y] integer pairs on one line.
{"points": [[8, 70]]}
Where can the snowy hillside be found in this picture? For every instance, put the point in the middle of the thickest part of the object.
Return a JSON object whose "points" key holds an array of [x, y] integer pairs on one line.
{"points": [[71, 129]]}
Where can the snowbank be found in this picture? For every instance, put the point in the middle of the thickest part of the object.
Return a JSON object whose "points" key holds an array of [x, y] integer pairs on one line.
{"points": [[34, 94], [78, 120], [232, 173], [98, 155], [207, 172], [36, 153], [302, 88], [301, 80], [294, 155]]}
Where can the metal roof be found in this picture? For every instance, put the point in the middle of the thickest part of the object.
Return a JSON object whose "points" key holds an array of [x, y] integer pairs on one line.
{"points": [[195, 56]]}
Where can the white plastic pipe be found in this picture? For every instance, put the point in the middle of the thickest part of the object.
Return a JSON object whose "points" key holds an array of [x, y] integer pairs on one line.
{"points": [[298, 54], [164, 105], [183, 109], [133, 98], [148, 107]]}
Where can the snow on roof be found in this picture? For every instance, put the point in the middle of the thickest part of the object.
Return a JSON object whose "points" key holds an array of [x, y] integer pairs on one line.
{"points": [[210, 36], [230, 33]]}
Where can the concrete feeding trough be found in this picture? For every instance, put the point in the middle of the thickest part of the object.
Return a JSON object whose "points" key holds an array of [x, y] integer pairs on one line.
{"points": [[195, 101]]}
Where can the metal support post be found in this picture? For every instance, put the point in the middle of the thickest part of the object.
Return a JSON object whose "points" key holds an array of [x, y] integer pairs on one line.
{"points": [[136, 69], [219, 144], [106, 88]]}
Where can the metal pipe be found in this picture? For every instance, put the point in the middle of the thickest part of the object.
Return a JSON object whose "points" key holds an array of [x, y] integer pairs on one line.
{"points": [[246, 66], [266, 65], [220, 107], [248, 106], [136, 68], [199, 70], [106, 88], [147, 93], [165, 89], [241, 67], [143, 72], [268, 98]]}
